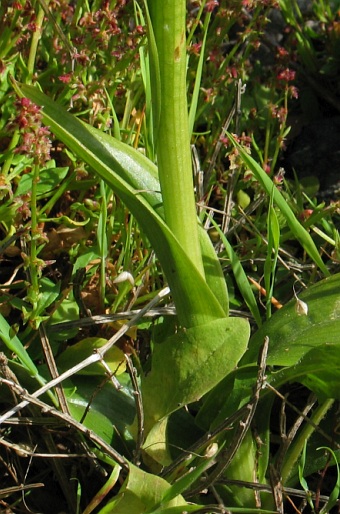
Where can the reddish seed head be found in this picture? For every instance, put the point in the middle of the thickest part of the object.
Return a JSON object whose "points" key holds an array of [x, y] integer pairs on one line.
{"points": [[66, 79], [286, 75], [210, 5], [306, 213]]}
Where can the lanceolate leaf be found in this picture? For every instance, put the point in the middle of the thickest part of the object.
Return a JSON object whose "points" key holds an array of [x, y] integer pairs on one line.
{"points": [[319, 370], [133, 178], [297, 229], [292, 335], [13, 343]]}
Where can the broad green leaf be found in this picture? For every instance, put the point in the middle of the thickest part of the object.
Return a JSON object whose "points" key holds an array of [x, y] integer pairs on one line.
{"points": [[133, 177], [140, 492], [114, 358], [108, 412], [292, 335], [190, 363], [295, 226], [242, 466], [49, 179], [318, 369]]}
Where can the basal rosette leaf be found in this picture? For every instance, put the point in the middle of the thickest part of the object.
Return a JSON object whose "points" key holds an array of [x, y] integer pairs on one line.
{"points": [[139, 493], [292, 334], [190, 363]]}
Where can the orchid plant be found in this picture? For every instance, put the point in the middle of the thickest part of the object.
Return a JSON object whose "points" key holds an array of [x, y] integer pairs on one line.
{"points": [[203, 352]]}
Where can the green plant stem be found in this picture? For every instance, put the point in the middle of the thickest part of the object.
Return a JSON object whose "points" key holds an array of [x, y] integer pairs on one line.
{"points": [[172, 133], [13, 144], [298, 445], [33, 246], [103, 243], [34, 43]]}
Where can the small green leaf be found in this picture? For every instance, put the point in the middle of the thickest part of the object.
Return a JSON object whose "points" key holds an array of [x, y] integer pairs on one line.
{"points": [[334, 496], [13, 343], [155, 76], [240, 276], [318, 369], [49, 179]]}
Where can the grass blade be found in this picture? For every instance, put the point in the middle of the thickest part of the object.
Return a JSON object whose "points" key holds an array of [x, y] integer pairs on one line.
{"points": [[240, 277], [297, 229]]}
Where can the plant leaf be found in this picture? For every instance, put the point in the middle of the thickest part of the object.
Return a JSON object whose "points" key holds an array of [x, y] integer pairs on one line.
{"points": [[140, 492], [295, 226], [13, 343], [114, 358], [291, 336], [108, 412], [190, 363], [318, 369], [155, 76], [133, 177]]}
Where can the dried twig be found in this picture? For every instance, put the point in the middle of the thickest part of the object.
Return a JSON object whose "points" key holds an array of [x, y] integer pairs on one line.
{"points": [[303, 416], [7, 491], [139, 409], [52, 367], [95, 357], [286, 439], [267, 489], [68, 420]]}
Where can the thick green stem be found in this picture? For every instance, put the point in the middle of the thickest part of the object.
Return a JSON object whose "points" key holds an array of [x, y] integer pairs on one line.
{"points": [[172, 130]]}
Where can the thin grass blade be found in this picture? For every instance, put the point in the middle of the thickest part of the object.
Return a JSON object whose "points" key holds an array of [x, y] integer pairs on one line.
{"points": [[297, 229]]}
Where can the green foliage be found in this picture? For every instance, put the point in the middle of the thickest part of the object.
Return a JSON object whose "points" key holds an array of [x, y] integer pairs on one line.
{"points": [[185, 367], [117, 188], [292, 335], [140, 492]]}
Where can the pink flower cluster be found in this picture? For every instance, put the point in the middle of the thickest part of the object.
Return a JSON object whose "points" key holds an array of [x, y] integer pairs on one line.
{"points": [[36, 140]]}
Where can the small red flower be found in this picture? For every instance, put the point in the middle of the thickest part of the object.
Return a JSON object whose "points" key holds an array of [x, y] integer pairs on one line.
{"points": [[286, 75], [66, 79]]}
